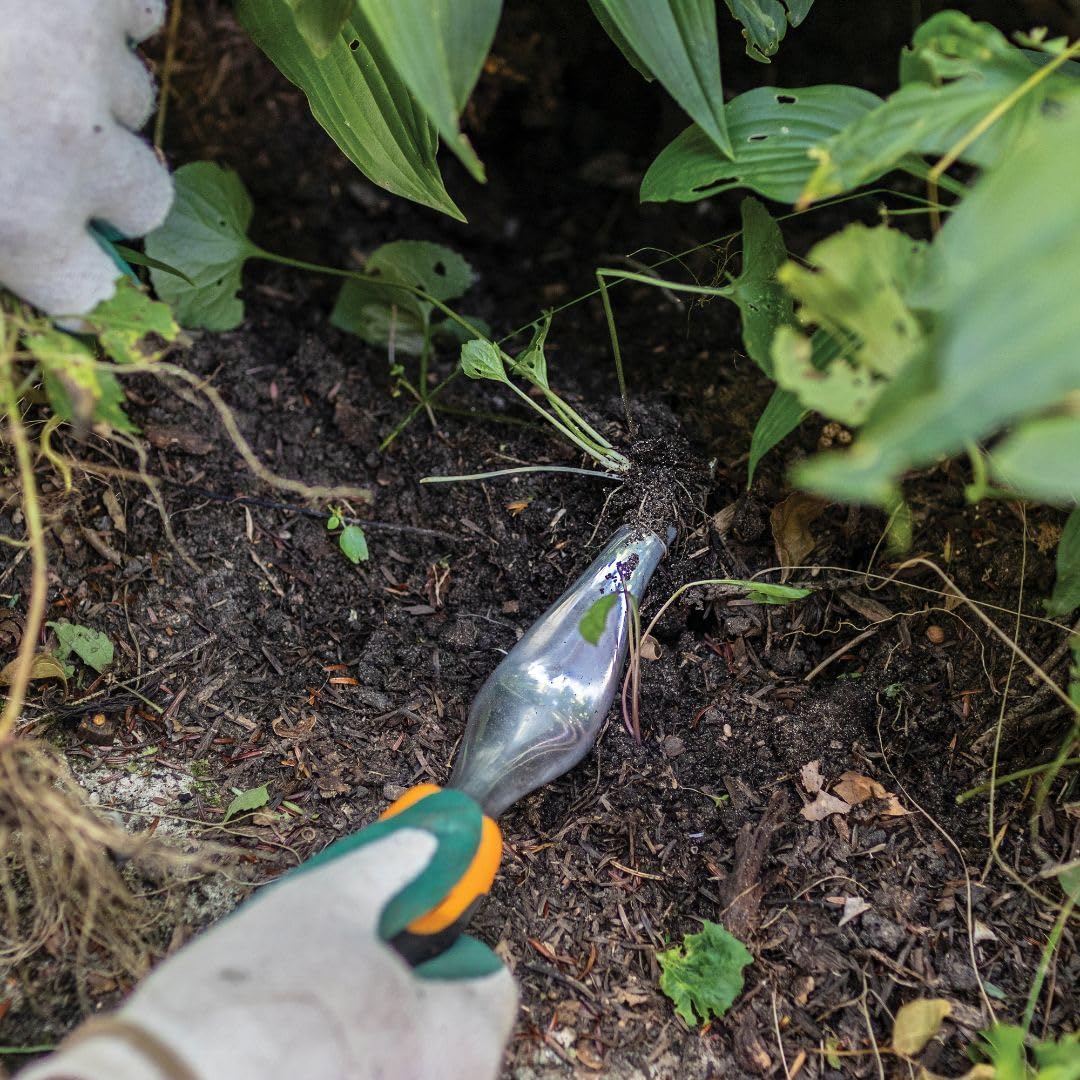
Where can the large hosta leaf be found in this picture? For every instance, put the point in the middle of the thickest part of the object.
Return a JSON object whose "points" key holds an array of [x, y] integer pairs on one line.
{"points": [[956, 73], [1001, 290], [676, 41], [765, 23], [438, 49], [771, 132], [356, 94]]}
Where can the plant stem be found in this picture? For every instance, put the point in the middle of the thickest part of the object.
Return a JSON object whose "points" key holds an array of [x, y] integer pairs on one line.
{"points": [[1008, 778], [521, 469], [35, 612], [1044, 962]]}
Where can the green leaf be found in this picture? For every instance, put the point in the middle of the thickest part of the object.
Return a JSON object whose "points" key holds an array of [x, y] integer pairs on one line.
{"points": [[855, 289], [90, 646], [771, 132], [764, 303], [126, 318], [1039, 460], [376, 310], [676, 41], [81, 390], [140, 258], [320, 21], [784, 412], [761, 592], [765, 23], [205, 237], [1003, 343], [1065, 598], [956, 73], [252, 799], [333, 521], [611, 27], [482, 360], [705, 975], [438, 50], [531, 363], [454, 331], [1059, 1060], [595, 619], [353, 544], [1003, 1045], [358, 97]]}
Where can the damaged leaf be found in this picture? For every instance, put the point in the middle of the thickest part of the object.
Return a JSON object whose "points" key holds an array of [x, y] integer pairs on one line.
{"points": [[43, 666], [92, 647], [917, 1023], [704, 975], [252, 799], [854, 788], [790, 521], [823, 806]]}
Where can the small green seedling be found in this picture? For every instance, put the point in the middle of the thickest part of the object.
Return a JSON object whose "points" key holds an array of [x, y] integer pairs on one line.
{"points": [[351, 539]]}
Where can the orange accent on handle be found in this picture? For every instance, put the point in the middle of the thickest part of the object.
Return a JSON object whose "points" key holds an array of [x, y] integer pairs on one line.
{"points": [[477, 879]]}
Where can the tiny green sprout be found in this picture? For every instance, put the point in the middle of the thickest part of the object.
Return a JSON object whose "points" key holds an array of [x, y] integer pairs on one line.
{"points": [[333, 521], [352, 539]]}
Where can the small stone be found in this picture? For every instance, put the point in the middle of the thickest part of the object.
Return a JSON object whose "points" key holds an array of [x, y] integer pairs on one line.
{"points": [[673, 746], [935, 635], [392, 792]]}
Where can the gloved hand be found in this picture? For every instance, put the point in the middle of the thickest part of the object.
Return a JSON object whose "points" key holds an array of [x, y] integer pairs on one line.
{"points": [[300, 982], [71, 94]]}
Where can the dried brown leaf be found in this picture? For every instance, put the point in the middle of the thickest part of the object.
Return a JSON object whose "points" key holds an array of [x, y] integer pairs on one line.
{"points": [[791, 521], [811, 778], [43, 666], [823, 806]]}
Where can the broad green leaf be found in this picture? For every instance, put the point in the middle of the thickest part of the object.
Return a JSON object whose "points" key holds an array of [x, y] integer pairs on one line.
{"points": [[956, 73], [676, 41], [917, 1023], [482, 360], [358, 97], [771, 132], [784, 412], [320, 21], [252, 799], [205, 237], [89, 645], [378, 310], [438, 50], [704, 975], [764, 303], [81, 390], [1065, 598], [855, 290], [611, 27], [123, 321], [1060, 1059], [1040, 459], [1003, 344], [353, 544], [765, 23], [595, 619]]}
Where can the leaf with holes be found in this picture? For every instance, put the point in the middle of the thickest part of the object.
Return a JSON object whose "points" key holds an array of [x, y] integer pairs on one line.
{"points": [[676, 41], [359, 98], [438, 50], [765, 23], [855, 290], [379, 310], [956, 73], [204, 237], [771, 132], [1002, 344], [764, 304], [482, 360], [124, 322], [704, 975]]}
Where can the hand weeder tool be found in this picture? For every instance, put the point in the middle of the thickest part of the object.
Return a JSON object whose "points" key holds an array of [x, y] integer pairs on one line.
{"points": [[537, 715]]}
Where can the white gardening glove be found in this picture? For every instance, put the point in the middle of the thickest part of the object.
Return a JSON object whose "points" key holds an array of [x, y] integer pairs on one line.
{"points": [[298, 982], [71, 94]]}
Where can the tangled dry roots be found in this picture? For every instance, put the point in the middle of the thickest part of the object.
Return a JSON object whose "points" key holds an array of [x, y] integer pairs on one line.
{"points": [[60, 877]]}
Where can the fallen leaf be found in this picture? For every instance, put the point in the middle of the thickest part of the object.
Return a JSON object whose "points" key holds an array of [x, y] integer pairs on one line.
{"points": [[791, 521], [866, 606], [116, 514], [855, 788], [650, 649], [982, 932], [810, 775], [252, 799], [823, 806], [514, 508], [724, 519], [854, 906], [43, 666], [917, 1023]]}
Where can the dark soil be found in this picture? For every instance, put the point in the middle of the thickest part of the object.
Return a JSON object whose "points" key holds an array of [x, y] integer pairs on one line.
{"points": [[278, 662]]}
